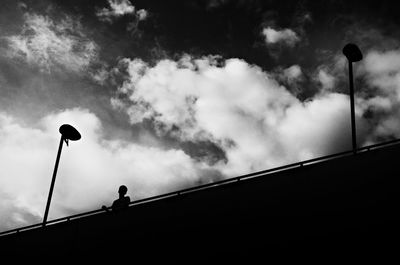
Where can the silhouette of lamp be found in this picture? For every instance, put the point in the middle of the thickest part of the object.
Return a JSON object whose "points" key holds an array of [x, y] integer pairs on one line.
{"points": [[353, 54], [67, 133]]}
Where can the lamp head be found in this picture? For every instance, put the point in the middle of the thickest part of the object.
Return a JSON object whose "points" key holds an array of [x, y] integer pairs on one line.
{"points": [[352, 53], [69, 133]]}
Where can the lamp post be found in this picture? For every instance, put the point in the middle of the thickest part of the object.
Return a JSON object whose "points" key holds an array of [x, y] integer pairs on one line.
{"points": [[67, 133], [353, 54]]}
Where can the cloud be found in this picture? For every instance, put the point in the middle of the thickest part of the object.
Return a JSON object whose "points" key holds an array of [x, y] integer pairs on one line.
{"points": [[142, 14], [293, 73], [230, 104], [239, 108], [326, 80], [285, 37], [100, 76], [382, 65], [13, 215], [292, 78], [90, 170], [381, 73], [377, 86], [227, 106], [119, 8], [49, 45]]}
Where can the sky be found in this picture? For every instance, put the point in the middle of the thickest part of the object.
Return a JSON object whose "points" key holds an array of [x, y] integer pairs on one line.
{"points": [[173, 94]]}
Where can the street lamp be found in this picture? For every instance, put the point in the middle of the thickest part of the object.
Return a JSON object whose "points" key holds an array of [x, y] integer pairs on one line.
{"points": [[353, 54], [67, 133]]}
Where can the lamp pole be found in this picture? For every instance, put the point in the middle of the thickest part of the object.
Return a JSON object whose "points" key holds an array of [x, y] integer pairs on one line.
{"points": [[67, 133], [53, 180], [352, 111], [353, 54]]}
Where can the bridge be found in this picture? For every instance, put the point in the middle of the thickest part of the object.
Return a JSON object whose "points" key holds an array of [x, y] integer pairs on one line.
{"points": [[337, 206]]}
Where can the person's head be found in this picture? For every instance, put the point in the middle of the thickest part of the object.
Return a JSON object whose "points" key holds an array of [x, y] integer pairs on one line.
{"points": [[122, 190]]}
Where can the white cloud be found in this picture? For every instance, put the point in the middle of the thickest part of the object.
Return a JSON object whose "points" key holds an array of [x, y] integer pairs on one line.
{"points": [[100, 76], [326, 80], [90, 170], [377, 90], [383, 69], [291, 77], [286, 36], [13, 215], [381, 72], [237, 106], [49, 44], [293, 73], [142, 14], [118, 8]]}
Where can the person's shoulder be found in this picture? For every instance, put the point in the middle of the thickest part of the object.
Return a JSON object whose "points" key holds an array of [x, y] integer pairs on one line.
{"points": [[127, 198]]}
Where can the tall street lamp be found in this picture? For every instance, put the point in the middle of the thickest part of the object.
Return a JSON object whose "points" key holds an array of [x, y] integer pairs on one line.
{"points": [[67, 133], [353, 54]]}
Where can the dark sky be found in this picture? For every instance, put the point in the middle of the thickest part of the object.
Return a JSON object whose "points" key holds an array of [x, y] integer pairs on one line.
{"points": [[171, 94], [232, 28]]}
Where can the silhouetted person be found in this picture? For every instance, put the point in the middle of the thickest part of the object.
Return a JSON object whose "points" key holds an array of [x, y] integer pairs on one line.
{"points": [[122, 202]]}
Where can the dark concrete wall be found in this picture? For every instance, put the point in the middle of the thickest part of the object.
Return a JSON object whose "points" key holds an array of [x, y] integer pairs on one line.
{"points": [[346, 206]]}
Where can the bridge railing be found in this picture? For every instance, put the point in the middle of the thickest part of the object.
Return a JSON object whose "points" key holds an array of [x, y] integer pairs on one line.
{"points": [[208, 185]]}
